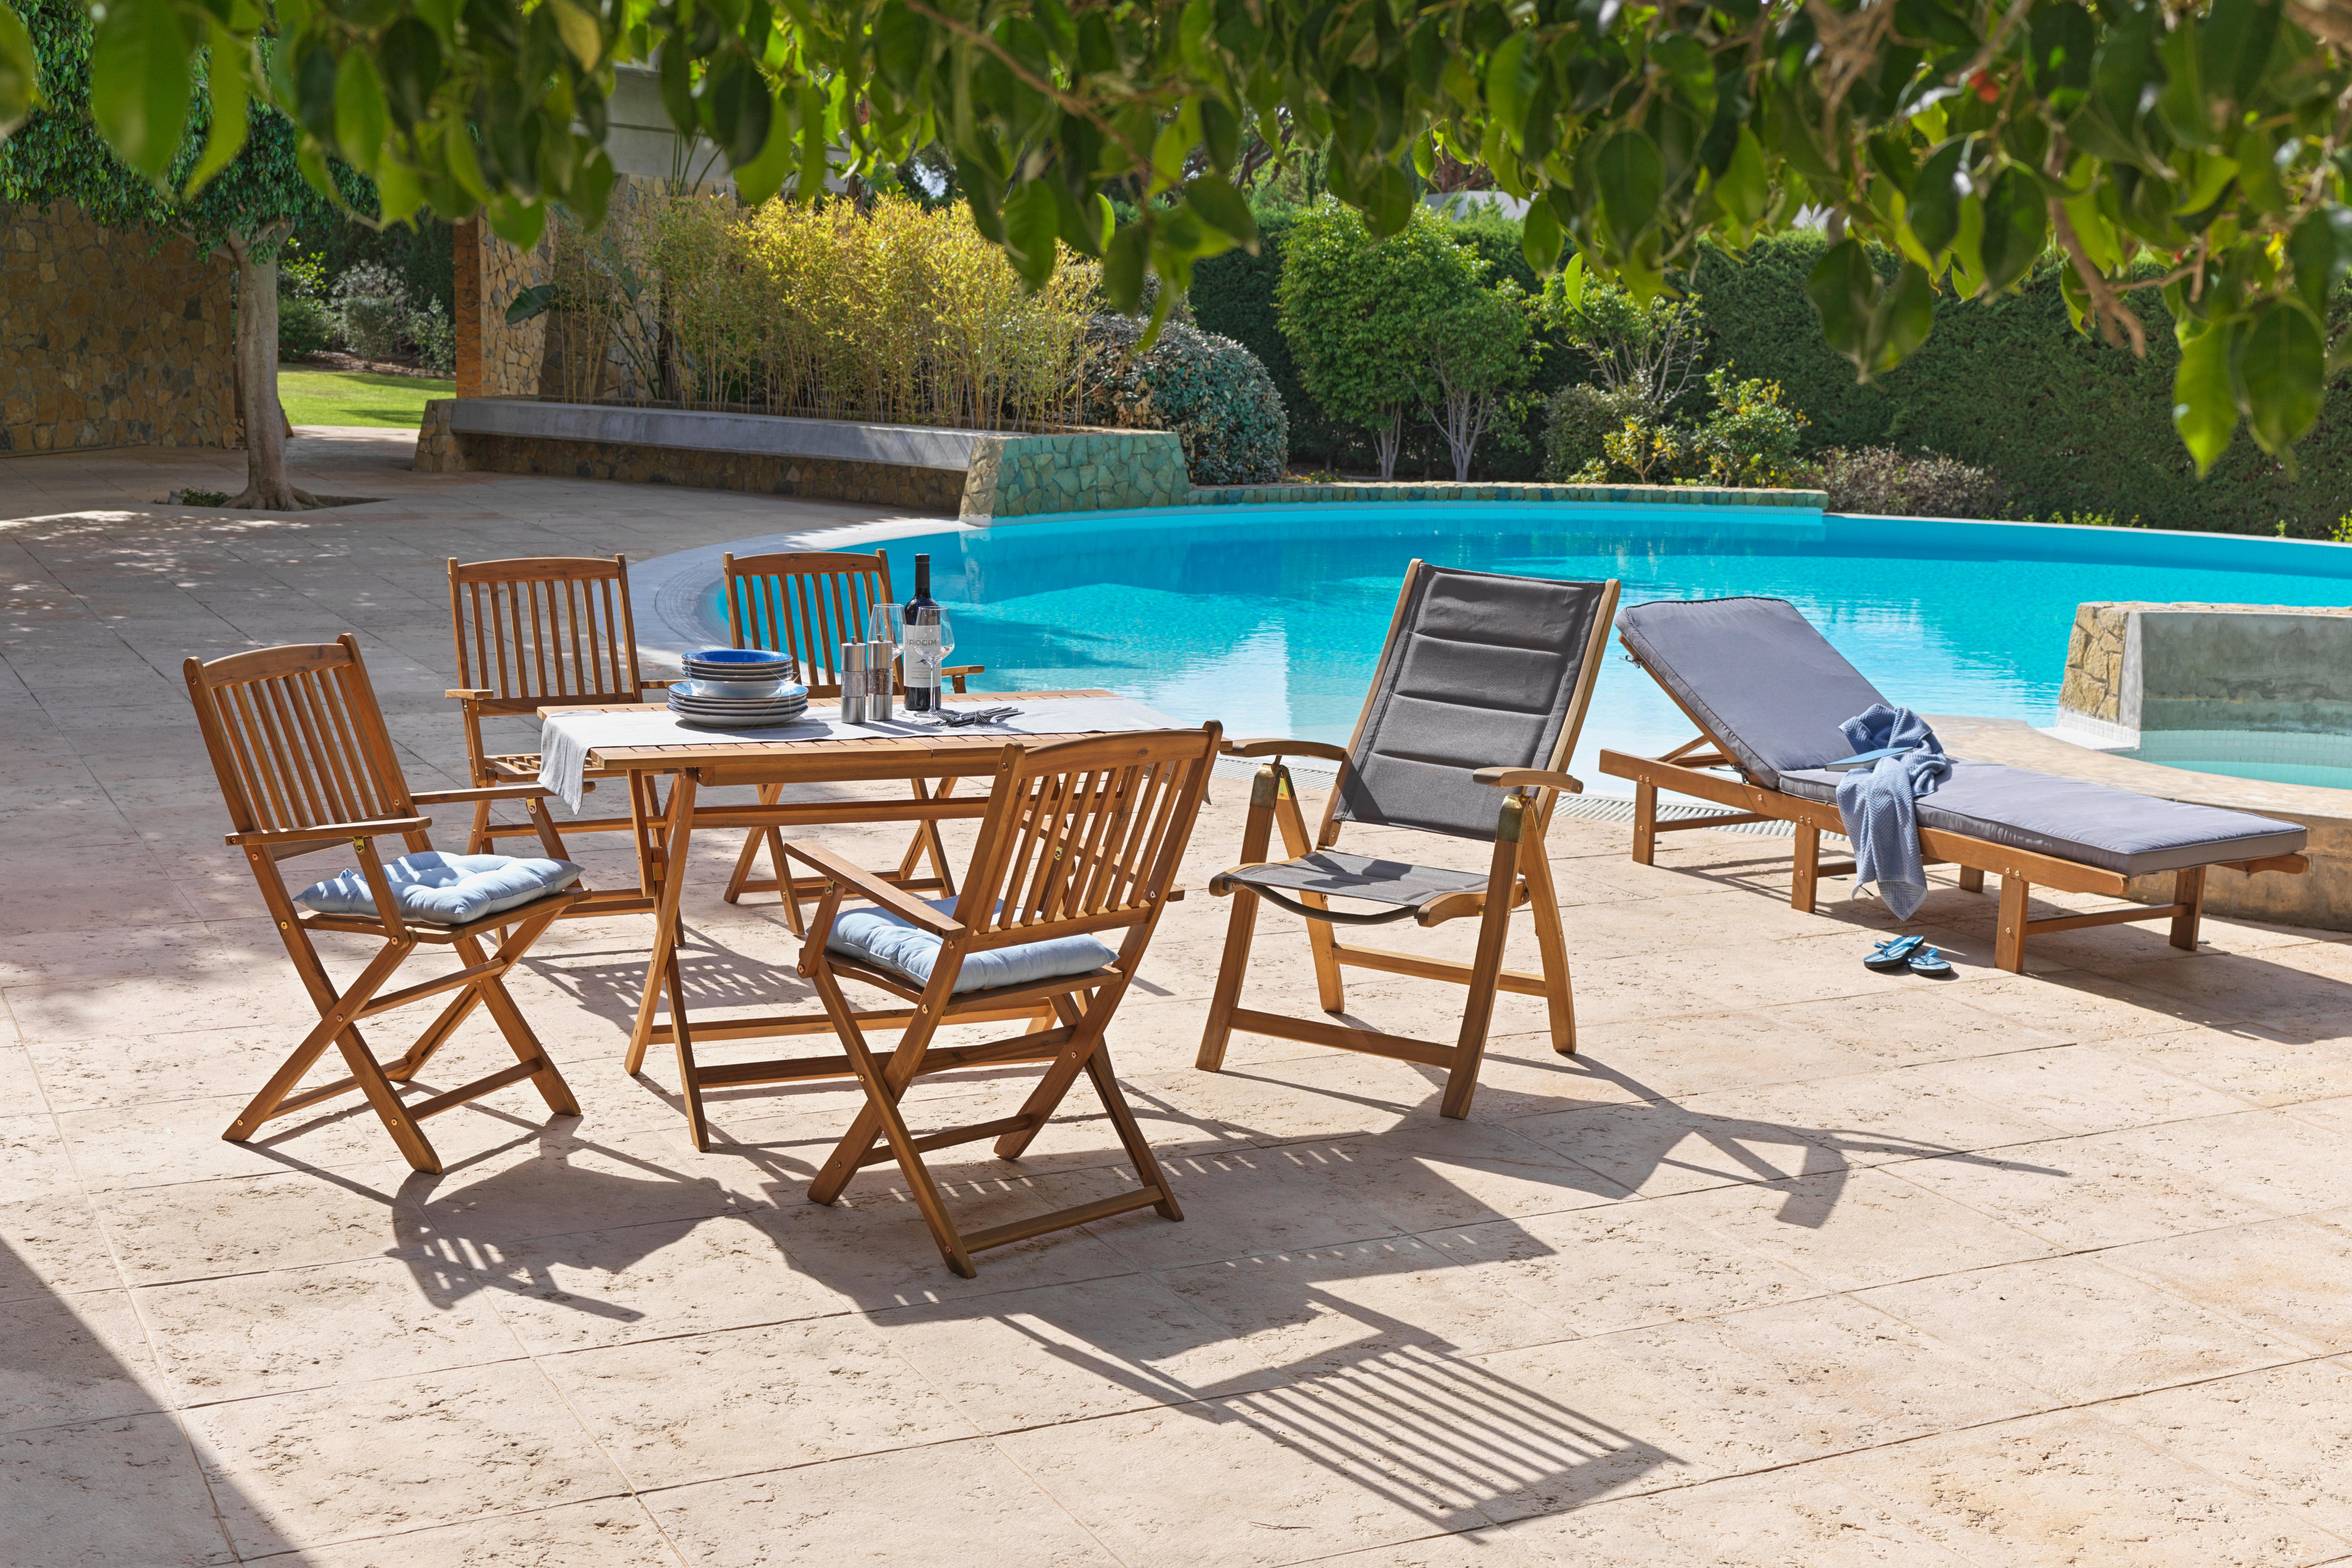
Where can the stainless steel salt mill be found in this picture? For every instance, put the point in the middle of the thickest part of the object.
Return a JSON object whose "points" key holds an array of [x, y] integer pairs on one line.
{"points": [[855, 659], [880, 705]]}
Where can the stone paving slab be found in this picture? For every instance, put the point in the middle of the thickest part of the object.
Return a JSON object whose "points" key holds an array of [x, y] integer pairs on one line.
{"points": [[1793, 1263]]}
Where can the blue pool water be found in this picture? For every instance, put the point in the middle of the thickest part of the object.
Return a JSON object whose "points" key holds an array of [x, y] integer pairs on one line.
{"points": [[1270, 618]]}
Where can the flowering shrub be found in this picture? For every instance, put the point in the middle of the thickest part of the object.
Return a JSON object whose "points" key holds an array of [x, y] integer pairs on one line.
{"points": [[1748, 438], [1882, 482], [1210, 391]]}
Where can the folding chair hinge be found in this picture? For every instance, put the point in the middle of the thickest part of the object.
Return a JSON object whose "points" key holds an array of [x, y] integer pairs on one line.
{"points": [[1272, 782]]}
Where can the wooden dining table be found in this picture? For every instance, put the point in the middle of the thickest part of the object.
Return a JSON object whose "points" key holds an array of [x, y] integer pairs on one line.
{"points": [[664, 834]]}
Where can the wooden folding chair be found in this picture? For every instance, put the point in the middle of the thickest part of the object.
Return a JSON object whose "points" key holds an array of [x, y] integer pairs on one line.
{"points": [[1081, 839], [538, 631], [1483, 684], [807, 604], [305, 764]]}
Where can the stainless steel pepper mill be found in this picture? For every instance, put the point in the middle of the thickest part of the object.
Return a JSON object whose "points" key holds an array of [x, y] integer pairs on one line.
{"points": [[854, 659]]}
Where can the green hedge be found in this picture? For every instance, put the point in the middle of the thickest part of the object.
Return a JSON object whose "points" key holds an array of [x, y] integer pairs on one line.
{"points": [[2070, 423]]}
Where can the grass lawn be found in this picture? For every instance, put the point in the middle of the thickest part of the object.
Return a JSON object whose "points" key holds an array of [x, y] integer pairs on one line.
{"points": [[349, 397]]}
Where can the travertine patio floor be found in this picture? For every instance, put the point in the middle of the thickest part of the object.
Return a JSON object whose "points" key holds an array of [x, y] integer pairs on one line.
{"points": [[1794, 1265]]}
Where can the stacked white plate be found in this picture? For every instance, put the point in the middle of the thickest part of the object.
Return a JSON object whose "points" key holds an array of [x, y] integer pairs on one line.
{"points": [[756, 693]]}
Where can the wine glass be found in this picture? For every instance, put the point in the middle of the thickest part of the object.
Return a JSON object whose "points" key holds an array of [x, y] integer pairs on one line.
{"points": [[932, 618]]}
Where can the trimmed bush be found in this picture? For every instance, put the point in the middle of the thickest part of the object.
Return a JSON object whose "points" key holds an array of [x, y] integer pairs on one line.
{"points": [[435, 336], [1579, 418], [1882, 482], [303, 325], [1208, 389], [372, 311]]}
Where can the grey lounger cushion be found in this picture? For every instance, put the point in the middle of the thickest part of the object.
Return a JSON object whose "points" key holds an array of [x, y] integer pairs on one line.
{"points": [[1763, 682], [1755, 675], [2076, 820], [1480, 674]]}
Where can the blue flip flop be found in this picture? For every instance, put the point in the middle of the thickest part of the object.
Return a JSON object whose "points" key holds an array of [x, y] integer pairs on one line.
{"points": [[1930, 962], [1893, 953]]}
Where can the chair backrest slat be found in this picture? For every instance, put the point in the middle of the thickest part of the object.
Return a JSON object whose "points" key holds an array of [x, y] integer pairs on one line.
{"points": [[1085, 834], [296, 737], [1481, 669], [543, 630], [806, 603]]}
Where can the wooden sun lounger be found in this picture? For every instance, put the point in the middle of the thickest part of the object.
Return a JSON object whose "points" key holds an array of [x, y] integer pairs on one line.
{"points": [[1708, 768]]}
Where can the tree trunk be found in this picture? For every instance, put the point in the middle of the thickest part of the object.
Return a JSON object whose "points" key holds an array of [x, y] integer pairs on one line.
{"points": [[1385, 441], [267, 487]]}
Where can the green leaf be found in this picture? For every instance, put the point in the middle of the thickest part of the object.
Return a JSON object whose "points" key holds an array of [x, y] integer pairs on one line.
{"points": [[1031, 224], [1744, 190], [1934, 213], [409, 56], [519, 222], [1223, 208], [139, 83], [528, 304], [764, 176], [1123, 266], [2204, 405], [224, 79], [2016, 227], [2320, 248], [579, 31], [362, 122], [1842, 286], [1903, 315], [20, 71], [1539, 237], [1631, 178], [2281, 374]]}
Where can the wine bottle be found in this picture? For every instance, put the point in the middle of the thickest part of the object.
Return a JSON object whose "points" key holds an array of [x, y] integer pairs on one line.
{"points": [[921, 654]]}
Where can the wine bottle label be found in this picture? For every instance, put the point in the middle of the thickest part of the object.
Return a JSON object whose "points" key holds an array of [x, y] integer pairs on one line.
{"points": [[922, 655]]}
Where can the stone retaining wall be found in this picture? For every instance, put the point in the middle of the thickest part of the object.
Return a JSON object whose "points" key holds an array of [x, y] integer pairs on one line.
{"points": [[1404, 490], [1091, 470], [106, 341], [2281, 668]]}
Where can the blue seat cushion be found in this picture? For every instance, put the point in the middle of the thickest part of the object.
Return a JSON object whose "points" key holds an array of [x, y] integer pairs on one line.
{"points": [[443, 889], [882, 939]]}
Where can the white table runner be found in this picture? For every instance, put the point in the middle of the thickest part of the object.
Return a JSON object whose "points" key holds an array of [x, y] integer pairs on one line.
{"points": [[565, 740]]}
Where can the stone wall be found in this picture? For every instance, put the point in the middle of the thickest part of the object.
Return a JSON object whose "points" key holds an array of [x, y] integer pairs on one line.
{"points": [[2093, 686], [1087, 470], [495, 359], [2272, 669], [106, 341]]}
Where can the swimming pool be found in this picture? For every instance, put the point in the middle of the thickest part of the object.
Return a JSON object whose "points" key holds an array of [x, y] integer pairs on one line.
{"points": [[1270, 618]]}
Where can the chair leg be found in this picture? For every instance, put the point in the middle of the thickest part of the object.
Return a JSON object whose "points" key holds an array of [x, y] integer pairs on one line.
{"points": [[334, 1026], [1805, 875], [927, 843], [381, 1095], [1257, 832], [1331, 990], [1478, 1007], [1131, 1133], [2187, 888], [520, 1037], [1060, 1073], [1971, 880], [1646, 824], [1551, 944], [2008, 944], [478, 841]]}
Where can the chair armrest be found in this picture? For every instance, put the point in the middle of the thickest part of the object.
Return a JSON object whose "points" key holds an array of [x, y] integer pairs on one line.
{"points": [[659, 685], [470, 693], [963, 669], [866, 885], [485, 791], [326, 832], [1513, 778], [1324, 750]]}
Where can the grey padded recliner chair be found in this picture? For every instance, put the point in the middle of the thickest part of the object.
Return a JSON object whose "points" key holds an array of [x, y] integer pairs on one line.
{"points": [[1481, 686], [1767, 693]]}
